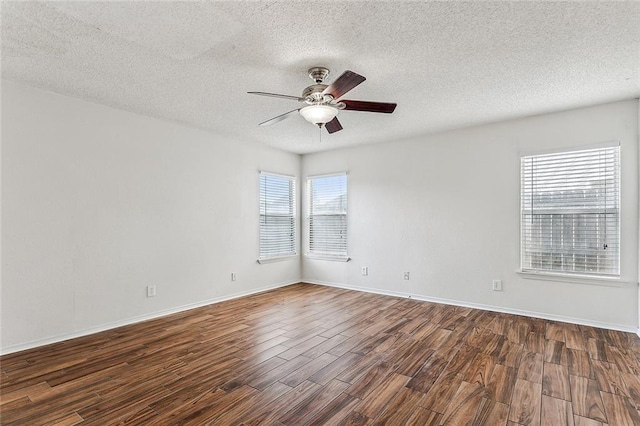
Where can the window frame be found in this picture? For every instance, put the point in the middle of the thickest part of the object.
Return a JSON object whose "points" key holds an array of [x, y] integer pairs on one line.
{"points": [[583, 277], [293, 215], [337, 257]]}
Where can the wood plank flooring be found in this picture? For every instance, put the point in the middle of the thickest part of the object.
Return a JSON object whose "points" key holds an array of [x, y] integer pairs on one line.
{"points": [[307, 354]]}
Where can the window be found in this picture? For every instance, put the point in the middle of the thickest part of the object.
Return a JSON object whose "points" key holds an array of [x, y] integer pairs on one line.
{"points": [[277, 216], [570, 212], [328, 216]]}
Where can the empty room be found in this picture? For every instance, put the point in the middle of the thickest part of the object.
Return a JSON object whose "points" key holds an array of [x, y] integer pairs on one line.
{"points": [[320, 213]]}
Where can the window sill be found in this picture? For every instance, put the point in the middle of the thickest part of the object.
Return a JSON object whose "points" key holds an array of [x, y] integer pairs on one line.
{"points": [[576, 279], [276, 259], [327, 257]]}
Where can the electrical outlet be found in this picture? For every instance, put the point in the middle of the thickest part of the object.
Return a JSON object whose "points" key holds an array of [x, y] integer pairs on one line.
{"points": [[233, 276], [406, 275], [151, 291], [365, 270], [497, 285]]}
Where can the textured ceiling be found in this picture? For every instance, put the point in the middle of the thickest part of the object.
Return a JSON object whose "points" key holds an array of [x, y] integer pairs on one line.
{"points": [[446, 64]]}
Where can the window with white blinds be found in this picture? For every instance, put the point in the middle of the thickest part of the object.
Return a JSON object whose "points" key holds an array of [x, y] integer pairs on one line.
{"points": [[277, 216], [327, 218], [570, 212]]}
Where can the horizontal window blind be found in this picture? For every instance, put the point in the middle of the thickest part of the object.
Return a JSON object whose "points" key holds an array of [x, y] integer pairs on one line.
{"points": [[570, 207], [277, 216], [327, 217]]}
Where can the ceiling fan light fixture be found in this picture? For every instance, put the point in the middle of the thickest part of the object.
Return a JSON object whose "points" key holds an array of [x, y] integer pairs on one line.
{"points": [[318, 114]]}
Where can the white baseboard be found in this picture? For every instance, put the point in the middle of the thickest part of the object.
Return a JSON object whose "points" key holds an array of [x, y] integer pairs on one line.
{"points": [[158, 314], [136, 319], [541, 315]]}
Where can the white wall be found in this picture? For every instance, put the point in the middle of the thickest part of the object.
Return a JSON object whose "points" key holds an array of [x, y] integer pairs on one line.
{"points": [[98, 203], [446, 208]]}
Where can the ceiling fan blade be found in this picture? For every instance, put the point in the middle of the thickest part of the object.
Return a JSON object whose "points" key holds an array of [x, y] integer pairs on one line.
{"points": [[347, 81], [333, 125], [383, 107], [277, 119], [277, 95]]}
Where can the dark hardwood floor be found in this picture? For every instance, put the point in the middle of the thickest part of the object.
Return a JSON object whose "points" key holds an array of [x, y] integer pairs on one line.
{"points": [[307, 354]]}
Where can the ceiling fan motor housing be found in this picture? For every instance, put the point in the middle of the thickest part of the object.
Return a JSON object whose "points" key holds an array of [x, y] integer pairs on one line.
{"points": [[313, 94]]}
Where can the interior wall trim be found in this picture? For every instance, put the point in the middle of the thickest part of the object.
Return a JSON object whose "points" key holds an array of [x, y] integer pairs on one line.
{"points": [[136, 319], [541, 315]]}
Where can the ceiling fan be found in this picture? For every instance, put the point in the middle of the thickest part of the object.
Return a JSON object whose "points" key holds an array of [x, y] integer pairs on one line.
{"points": [[323, 101]]}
